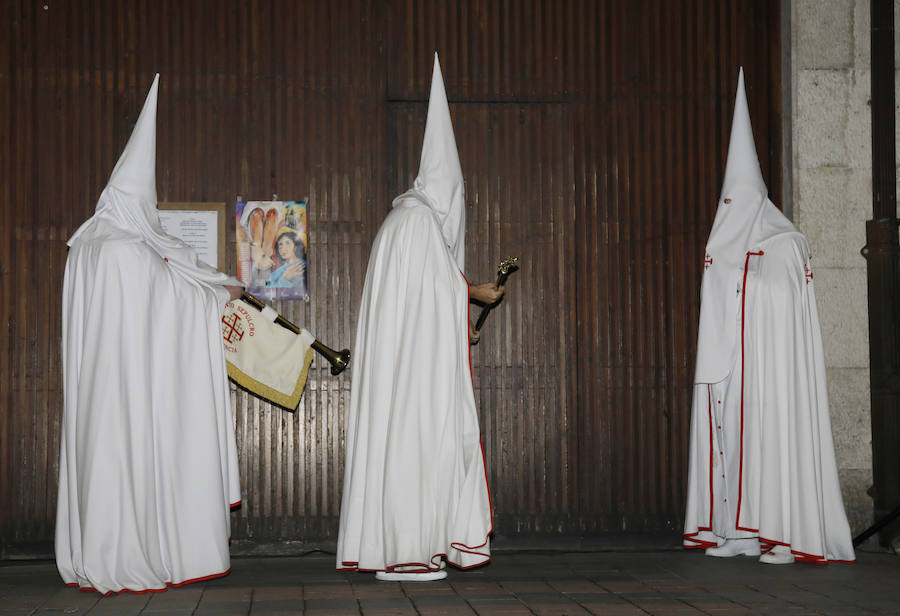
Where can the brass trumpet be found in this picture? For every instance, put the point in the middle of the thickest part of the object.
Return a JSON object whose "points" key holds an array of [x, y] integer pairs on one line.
{"points": [[338, 359]]}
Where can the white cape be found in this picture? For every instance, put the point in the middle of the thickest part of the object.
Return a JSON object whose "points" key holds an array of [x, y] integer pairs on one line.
{"points": [[761, 455], [148, 461], [415, 487]]}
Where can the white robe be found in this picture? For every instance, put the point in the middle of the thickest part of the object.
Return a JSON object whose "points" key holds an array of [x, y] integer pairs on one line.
{"points": [[415, 487], [148, 462], [761, 456]]}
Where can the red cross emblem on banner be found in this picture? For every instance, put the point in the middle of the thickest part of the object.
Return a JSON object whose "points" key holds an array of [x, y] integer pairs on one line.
{"points": [[707, 262], [232, 328], [808, 273]]}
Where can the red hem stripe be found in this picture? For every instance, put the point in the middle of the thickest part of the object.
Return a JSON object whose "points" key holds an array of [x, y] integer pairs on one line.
{"points": [[426, 568], [150, 590], [803, 556], [701, 543]]}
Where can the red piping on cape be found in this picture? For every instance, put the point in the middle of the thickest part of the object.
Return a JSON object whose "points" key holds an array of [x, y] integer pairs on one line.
{"points": [[149, 590], [460, 547], [698, 544], [712, 499], [802, 557], [737, 521], [692, 537]]}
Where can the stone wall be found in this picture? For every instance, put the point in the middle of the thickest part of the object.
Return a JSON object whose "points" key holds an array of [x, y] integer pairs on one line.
{"points": [[832, 199]]}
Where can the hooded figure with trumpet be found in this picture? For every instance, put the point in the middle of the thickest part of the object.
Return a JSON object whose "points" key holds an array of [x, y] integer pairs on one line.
{"points": [[415, 489], [148, 463]]}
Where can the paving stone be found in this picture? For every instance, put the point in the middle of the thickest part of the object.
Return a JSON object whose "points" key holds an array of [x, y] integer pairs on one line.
{"points": [[487, 608], [625, 609], [463, 610], [70, 598], [384, 589], [276, 593], [623, 586], [530, 586], [276, 605], [324, 591], [472, 588], [438, 601], [222, 608], [126, 604], [385, 602], [23, 602], [415, 589], [148, 611], [225, 593], [571, 586], [547, 604], [340, 603], [596, 603]]}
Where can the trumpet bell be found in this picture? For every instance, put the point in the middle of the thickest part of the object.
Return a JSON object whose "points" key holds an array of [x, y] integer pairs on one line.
{"points": [[341, 361]]}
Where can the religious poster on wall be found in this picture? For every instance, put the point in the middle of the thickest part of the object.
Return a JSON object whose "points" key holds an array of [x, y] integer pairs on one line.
{"points": [[272, 248]]}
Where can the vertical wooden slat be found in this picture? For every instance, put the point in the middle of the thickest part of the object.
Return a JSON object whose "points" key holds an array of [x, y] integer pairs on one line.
{"points": [[8, 83]]}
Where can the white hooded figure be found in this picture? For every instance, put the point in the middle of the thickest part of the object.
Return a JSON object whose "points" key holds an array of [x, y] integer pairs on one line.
{"points": [[415, 489], [763, 477], [148, 462]]}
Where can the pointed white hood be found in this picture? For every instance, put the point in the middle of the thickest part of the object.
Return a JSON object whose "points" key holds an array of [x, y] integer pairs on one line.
{"points": [[135, 172], [742, 168], [127, 206], [745, 219], [439, 182]]}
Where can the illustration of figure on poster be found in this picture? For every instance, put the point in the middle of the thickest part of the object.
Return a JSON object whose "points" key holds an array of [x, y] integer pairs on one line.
{"points": [[272, 248]]}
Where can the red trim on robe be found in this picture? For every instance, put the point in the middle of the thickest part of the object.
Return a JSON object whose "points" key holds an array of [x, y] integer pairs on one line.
{"points": [[149, 590], [711, 454], [701, 544], [799, 556], [425, 568], [737, 521], [692, 537]]}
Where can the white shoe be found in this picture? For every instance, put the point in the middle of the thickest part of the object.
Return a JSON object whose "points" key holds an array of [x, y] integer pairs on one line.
{"points": [[735, 547], [425, 576], [778, 555]]}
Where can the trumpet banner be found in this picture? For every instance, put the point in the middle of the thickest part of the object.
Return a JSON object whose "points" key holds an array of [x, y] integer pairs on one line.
{"points": [[264, 357]]}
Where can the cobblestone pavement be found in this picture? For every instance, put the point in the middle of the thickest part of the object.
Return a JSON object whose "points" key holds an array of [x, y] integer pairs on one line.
{"points": [[610, 583]]}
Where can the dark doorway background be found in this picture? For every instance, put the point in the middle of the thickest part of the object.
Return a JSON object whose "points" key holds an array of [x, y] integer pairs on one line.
{"points": [[592, 136]]}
